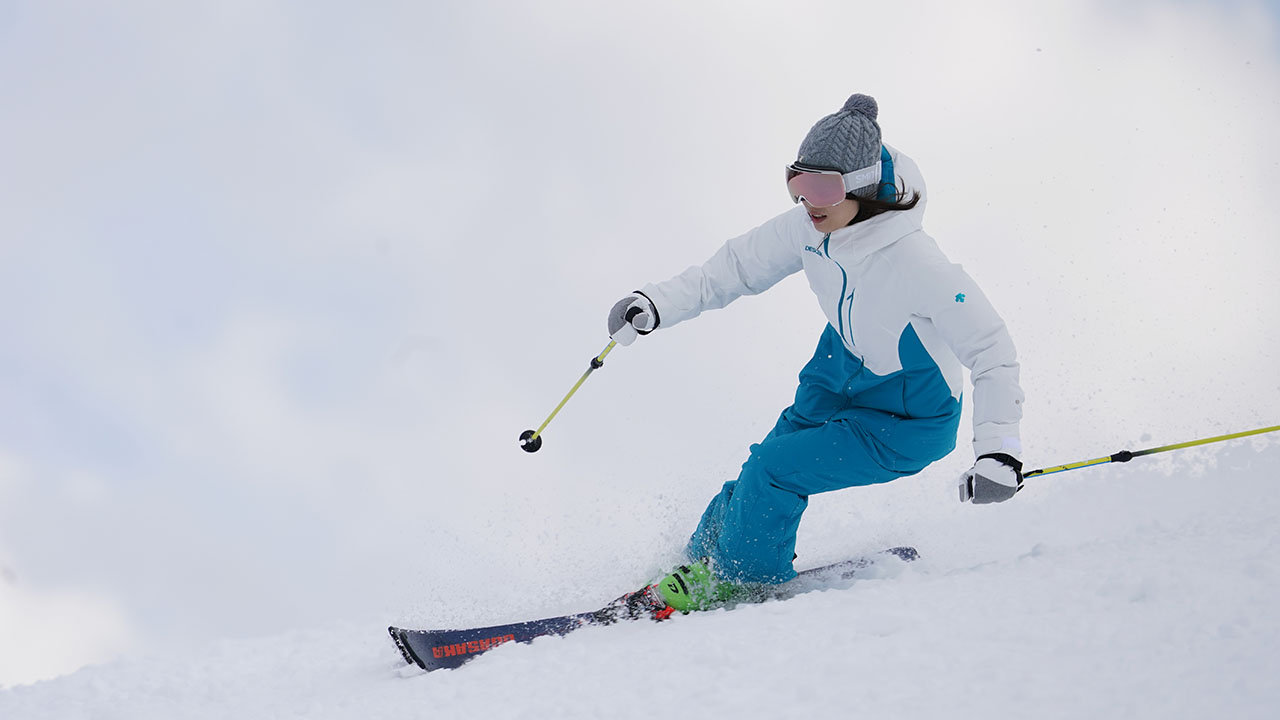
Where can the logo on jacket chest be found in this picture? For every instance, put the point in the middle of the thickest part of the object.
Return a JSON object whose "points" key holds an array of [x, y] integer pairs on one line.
{"points": [[814, 250]]}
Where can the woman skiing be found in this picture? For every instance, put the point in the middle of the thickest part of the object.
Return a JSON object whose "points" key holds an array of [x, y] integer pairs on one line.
{"points": [[880, 399]]}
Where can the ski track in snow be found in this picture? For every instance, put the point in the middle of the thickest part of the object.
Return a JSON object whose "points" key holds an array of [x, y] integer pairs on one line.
{"points": [[1125, 591]]}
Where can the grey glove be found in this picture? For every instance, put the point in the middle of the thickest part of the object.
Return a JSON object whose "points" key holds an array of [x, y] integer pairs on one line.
{"points": [[632, 316], [994, 478]]}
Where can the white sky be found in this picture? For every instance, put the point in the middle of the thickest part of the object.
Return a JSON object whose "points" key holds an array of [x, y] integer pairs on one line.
{"points": [[283, 283]]}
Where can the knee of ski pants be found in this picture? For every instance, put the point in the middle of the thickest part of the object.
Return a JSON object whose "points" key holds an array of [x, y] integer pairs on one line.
{"points": [[835, 455]]}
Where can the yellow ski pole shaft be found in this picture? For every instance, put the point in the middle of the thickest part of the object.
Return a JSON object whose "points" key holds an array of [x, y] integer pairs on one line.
{"points": [[1126, 455], [531, 440]]}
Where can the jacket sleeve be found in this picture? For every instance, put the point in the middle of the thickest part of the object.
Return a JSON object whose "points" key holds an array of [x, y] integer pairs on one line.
{"points": [[746, 265], [976, 333]]}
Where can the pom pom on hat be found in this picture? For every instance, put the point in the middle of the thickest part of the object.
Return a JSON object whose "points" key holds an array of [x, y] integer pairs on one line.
{"points": [[864, 104], [846, 140]]}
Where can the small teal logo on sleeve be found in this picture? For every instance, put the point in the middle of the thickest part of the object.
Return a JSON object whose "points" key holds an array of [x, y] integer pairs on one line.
{"points": [[960, 297]]}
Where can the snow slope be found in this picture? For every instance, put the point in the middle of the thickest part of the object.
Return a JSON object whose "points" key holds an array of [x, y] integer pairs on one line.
{"points": [[1144, 590]]}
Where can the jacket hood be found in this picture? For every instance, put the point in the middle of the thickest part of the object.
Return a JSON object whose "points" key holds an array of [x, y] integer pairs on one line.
{"points": [[858, 241]]}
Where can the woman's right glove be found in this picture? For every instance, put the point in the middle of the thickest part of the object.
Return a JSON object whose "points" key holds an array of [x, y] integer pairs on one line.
{"points": [[632, 316]]}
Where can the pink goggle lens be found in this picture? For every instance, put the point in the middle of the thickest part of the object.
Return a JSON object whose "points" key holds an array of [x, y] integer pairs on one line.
{"points": [[819, 189]]}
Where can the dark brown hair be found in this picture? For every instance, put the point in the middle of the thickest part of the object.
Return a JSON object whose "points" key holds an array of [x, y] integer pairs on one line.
{"points": [[870, 207]]}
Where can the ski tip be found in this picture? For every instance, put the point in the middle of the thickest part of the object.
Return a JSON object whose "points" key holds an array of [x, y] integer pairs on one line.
{"points": [[397, 635]]}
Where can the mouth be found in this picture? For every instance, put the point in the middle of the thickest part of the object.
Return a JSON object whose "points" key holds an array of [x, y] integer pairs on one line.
{"points": [[816, 216]]}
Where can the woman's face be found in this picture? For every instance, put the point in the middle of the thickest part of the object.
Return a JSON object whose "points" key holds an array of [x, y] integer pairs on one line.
{"points": [[830, 219]]}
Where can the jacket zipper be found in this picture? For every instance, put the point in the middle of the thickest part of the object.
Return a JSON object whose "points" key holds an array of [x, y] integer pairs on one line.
{"points": [[844, 286]]}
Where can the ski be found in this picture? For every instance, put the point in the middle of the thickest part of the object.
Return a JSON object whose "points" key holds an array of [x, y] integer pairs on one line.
{"points": [[444, 649]]}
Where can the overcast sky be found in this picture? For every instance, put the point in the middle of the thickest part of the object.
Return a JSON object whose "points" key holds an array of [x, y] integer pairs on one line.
{"points": [[282, 282]]}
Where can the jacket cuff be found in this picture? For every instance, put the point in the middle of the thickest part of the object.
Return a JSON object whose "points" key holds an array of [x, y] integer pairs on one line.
{"points": [[657, 315], [668, 313], [1006, 445]]}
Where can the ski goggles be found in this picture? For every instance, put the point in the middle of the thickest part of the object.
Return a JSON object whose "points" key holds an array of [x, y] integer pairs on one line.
{"points": [[825, 188]]}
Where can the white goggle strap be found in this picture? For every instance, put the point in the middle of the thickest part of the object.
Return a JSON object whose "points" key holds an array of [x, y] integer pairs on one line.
{"points": [[862, 178]]}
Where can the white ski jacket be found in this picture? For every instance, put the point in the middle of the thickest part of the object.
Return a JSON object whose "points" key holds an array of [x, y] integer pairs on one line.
{"points": [[874, 280]]}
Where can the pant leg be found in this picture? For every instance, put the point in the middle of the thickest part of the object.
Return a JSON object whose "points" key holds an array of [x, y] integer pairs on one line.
{"points": [[749, 529], [822, 442], [818, 398]]}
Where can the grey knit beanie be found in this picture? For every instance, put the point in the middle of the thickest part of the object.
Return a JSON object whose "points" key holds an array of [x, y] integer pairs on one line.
{"points": [[846, 140]]}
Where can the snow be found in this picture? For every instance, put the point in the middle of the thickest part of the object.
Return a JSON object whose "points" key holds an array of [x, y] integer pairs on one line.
{"points": [[1145, 591]]}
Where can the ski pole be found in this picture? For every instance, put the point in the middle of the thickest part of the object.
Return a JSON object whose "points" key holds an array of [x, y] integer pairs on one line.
{"points": [[531, 440], [1126, 455]]}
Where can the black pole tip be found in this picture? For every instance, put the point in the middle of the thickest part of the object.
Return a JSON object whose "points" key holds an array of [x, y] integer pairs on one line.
{"points": [[530, 446]]}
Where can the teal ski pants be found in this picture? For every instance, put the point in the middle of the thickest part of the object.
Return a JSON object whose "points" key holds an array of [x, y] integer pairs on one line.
{"points": [[828, 439]]}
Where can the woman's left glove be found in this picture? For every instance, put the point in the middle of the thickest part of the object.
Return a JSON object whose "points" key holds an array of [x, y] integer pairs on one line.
{"points": [[994, 478], [632, 316]]}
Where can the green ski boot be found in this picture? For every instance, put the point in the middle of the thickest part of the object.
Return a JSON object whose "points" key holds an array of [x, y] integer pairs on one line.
{"points": [[694, 587]]}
